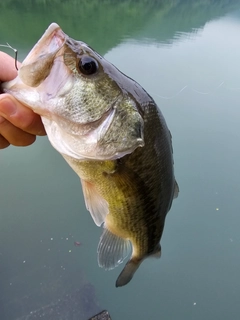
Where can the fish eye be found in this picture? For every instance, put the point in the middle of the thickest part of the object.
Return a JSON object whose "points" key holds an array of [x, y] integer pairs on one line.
{"points": [[87, 65]]}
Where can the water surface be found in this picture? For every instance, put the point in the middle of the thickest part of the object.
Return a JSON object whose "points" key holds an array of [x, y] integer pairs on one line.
{"points": [[186, 55]]}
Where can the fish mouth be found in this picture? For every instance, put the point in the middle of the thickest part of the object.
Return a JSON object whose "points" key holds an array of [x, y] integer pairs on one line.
{"points": [[50, 43], [39, 71], [37, 65]]}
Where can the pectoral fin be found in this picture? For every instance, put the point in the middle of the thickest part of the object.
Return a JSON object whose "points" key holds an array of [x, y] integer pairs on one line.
{"points": [[112, 250], [95, 204]]}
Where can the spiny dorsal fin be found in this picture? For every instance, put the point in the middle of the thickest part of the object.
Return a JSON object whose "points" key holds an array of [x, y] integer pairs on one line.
{"points": [[112, 250], [95, 204]]}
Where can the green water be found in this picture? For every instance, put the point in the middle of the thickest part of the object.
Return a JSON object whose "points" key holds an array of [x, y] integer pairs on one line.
{"points": [[186, 55]]}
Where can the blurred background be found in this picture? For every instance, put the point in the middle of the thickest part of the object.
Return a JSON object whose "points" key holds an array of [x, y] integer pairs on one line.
{"points": [[186, 55]]}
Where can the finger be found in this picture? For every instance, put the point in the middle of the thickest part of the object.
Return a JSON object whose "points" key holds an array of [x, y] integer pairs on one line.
{"points": [[14, 135], [7, 69], [20, 116], [3, 142]]}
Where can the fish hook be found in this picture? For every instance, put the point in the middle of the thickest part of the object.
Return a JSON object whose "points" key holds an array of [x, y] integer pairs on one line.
{"points": [[15, 50]]}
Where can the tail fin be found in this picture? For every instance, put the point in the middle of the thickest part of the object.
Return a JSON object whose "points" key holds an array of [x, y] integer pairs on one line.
{"points": [[128, 272], [132, 265]]}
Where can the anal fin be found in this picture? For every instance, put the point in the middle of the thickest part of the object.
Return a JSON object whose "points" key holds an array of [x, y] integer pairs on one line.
{"points": [[95, 203], [112, 250]]}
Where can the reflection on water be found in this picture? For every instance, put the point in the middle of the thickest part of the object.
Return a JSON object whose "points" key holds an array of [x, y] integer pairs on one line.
{"points": [[186, 55]]}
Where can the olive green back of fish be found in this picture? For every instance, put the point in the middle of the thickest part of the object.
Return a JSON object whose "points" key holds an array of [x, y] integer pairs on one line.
{"points": [[112, 134], [134, 194]]}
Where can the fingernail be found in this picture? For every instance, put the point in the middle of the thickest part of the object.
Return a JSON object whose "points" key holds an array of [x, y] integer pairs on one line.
{"points": [[7, 107]]}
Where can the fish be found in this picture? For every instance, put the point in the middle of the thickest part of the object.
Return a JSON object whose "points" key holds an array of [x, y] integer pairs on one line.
{"points": [[112, 134]]}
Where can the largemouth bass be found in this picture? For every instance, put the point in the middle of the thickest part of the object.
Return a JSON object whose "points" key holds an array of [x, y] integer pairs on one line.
{"points": [[112, 134]]}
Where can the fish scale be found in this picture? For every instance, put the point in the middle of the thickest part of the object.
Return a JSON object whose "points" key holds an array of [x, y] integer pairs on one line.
{"points": [[112, 134]]}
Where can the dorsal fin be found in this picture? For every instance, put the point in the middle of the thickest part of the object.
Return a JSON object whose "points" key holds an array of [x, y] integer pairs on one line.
{"points": [[112, 250], [95, 203], [176, 190]]}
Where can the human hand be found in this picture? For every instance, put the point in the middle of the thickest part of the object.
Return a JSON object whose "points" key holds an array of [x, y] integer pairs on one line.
{"points": [[19, 125]]}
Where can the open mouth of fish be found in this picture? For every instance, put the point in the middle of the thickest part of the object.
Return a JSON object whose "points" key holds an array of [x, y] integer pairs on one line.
{"points": [[42, 74], [41, 57], [45, 49], [78, 109], [45, 75]]}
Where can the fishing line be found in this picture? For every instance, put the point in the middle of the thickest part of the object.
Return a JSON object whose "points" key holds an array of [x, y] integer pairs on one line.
{"points": [[7, 45], [192, 89]]}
